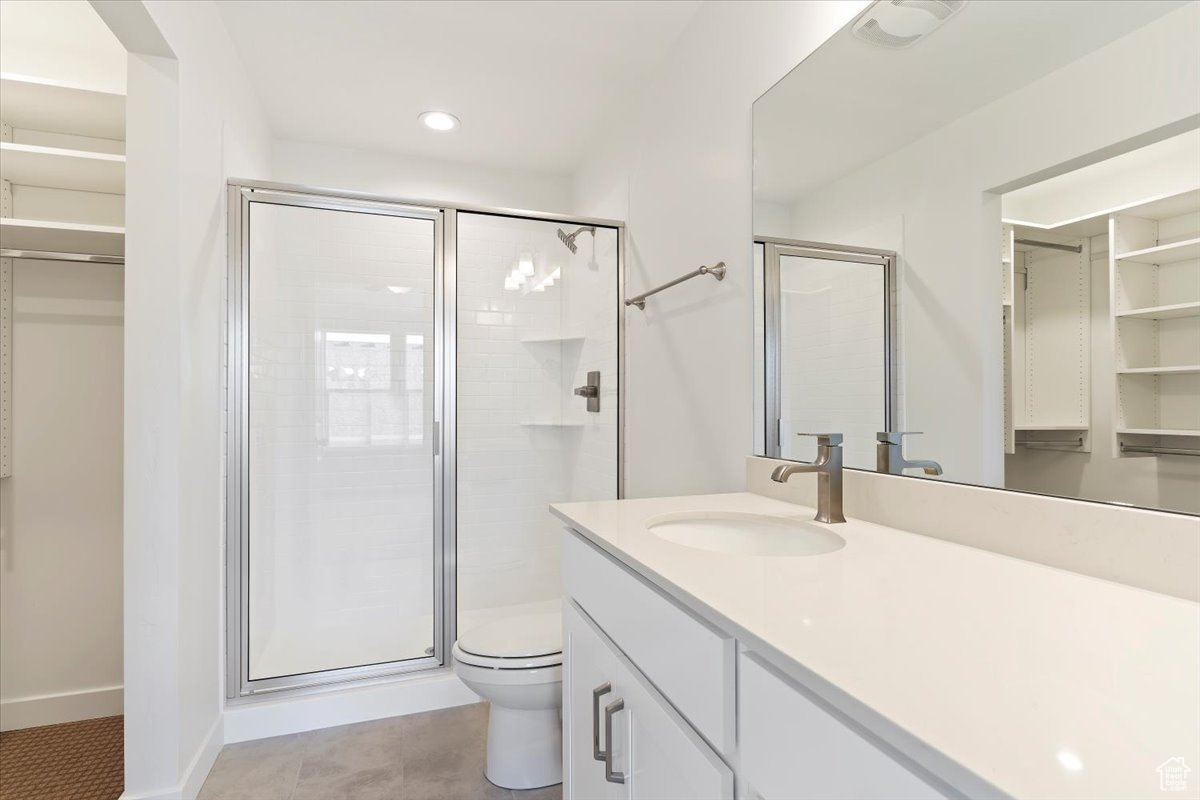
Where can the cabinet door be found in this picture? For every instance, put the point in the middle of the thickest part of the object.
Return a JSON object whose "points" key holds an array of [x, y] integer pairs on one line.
{"points": [[667, 759], [588, 663], [659, 754]]}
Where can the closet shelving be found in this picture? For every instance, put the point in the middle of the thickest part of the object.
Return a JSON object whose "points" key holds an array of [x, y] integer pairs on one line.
{"points": [[63, 168], [38, 104], [62, 177], [1047, 339], [67, 138], [60, 236], [1154, 283]]}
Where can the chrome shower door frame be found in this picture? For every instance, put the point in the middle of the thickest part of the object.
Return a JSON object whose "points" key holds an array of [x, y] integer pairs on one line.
{"points": [[238, 681], [238, 686], [773, 249]]}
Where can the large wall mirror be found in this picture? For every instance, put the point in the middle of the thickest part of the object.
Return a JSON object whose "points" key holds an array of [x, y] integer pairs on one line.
{"points": [[980, 221]]}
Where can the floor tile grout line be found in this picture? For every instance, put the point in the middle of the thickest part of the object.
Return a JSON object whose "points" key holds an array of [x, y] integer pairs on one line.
{"points": [[299, 765]]}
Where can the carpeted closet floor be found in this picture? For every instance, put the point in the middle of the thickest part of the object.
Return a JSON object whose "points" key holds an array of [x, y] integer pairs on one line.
{"points": [[73, 761]]}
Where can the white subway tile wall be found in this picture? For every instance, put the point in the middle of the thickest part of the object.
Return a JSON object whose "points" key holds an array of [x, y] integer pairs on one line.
{"points": [[341, 376], [832, 348], [524, 439]]}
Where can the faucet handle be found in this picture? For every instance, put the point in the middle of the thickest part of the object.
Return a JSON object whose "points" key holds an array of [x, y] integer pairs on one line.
{"points": [[826, 439], [895, 437]]}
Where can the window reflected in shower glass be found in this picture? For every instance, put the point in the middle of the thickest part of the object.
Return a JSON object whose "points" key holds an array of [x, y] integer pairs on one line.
{"points": [[364, 405], [534, 317], [341, 479], [832, 354]]}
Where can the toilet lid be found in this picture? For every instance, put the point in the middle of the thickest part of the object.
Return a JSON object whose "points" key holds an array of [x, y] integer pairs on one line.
{"points": [[522, 636]]}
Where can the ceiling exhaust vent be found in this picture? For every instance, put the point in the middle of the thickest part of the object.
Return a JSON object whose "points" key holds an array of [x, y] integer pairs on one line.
{"points": [[897, 24]]}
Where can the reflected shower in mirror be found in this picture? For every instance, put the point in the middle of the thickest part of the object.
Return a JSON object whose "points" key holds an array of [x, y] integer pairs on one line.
{"points": [[990, 234]]}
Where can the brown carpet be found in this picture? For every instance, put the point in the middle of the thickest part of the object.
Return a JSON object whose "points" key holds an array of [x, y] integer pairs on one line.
{"points": [[73, 761]]}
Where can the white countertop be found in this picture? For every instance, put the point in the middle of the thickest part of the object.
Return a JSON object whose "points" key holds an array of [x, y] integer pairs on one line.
{"points": [[1040, 682]]}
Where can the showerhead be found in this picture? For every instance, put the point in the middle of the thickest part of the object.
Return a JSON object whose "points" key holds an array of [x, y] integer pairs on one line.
{"points": [[569, 240]]}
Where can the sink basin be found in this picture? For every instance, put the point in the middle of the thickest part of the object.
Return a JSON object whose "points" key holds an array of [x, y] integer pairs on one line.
{"points": [[742, 534]]}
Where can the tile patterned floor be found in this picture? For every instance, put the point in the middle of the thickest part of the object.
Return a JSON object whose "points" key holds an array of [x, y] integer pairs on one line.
{"points": [[433, 756], [73, 761]]}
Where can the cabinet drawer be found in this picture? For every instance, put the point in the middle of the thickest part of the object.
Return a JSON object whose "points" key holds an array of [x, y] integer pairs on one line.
{"points": [[691, 664], [792, 749]]}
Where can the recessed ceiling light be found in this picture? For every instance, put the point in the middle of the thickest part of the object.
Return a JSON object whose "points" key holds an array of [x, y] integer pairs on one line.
{"points": [[439, 120]]}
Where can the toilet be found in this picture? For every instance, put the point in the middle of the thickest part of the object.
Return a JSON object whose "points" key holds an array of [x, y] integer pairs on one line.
{"points": [[516, 664]]}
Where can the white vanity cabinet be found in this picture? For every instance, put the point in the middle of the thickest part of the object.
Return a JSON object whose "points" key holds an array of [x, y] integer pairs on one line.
{"points": [[648, 752], [679, 684]]}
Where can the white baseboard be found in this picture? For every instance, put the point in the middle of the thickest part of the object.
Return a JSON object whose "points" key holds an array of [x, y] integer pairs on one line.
{"points": [[196, 772], [51, 709], [259, 719], [202, 763]]}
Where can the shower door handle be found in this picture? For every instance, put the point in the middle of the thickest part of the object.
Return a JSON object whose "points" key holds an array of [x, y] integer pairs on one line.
{"points": [[591, 390]]}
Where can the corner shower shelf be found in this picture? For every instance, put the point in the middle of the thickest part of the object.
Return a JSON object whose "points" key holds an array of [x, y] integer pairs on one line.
{"points": [[59, 168], [58, 236], [1173, 311], [1190, 369], [551, 339], [1186, 250]]}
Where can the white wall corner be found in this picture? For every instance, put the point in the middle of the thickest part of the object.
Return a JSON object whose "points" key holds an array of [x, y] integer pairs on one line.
{"points": [[197, 770]]}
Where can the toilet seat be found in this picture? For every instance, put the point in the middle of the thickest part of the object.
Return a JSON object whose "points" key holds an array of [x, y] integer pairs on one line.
{"points": [[526, 641]]}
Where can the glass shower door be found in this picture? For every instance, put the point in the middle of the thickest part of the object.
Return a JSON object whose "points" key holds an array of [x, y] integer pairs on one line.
{"points": [[537, 319], [341, 543]]}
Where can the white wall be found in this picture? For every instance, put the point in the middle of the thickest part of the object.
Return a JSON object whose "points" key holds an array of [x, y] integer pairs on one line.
{"points": [[415, 178], [677, 167], [60, 511], [192, 121], [940, 186], [60, 40]]}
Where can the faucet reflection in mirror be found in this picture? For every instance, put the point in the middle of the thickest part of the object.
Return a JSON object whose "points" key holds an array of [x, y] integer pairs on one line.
{"points": [[889, 454]]}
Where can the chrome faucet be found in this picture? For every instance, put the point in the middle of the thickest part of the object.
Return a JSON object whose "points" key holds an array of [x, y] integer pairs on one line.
{"points": [[889, 455], [828, 467]]}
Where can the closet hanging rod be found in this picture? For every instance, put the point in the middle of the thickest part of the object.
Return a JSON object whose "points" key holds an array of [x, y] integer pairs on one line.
{"points": [[1161, 451], [717, 271], [51, 255], [1069, 248]]}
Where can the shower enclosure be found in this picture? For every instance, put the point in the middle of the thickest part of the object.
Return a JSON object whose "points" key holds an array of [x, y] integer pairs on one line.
{"points": [[409, 387]]}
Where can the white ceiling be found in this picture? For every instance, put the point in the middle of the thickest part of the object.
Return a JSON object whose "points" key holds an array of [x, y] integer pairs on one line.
{"points": [[533, 82], [851, 102]]}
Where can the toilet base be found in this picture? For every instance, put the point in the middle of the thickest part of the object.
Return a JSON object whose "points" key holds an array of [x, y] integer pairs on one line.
{"points": [[524, 747]]}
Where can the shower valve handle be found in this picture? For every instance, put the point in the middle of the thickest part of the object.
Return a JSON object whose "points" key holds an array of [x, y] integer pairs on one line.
{"points": [[591, 390]]}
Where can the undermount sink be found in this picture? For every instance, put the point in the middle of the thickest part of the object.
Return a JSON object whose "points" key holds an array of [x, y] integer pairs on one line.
{"points": [[742, 534]]}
